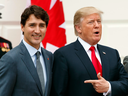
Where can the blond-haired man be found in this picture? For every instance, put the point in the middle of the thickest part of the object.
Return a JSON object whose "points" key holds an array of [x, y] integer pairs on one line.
{"points": [[75, 72]]}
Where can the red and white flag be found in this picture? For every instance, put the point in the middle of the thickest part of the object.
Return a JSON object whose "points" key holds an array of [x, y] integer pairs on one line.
{"points": [[55, 36]]}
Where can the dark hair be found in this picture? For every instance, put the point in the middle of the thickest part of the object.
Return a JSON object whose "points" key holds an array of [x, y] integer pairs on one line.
{"points": [[37, 11]]}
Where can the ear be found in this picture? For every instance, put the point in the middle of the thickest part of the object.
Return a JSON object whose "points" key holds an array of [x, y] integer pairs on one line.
{"points": [[22, 28], [78, 28]]}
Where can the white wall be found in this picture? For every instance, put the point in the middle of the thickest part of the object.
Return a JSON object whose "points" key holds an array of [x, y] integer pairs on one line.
{"points": [[115, 21]]}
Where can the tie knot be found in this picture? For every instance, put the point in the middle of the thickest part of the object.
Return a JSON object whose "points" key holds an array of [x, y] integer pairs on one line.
{"points": [[92, 48], [38, 54]]}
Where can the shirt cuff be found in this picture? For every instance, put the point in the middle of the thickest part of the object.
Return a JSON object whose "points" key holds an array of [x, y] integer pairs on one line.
{"points": [[109, 90]]}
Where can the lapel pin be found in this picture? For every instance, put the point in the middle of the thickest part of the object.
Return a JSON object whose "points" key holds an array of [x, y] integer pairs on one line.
{"points": [[104, 53], [48, 58]]}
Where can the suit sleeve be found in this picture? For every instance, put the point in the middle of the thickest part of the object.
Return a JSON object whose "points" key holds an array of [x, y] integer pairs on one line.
{"points": [[7, 75], [120, 87], [60, 75]]}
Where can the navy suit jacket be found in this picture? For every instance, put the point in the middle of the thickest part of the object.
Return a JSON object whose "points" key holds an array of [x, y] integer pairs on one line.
{"points": [[18, 75], [72, 67]]}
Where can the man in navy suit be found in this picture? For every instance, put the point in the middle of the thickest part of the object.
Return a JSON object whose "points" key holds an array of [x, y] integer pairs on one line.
{"points": [[73, 70], [18, 72]]}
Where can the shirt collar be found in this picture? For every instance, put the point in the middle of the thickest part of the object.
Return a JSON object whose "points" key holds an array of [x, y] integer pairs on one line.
{"points": [[86, 45], [31, 49]]}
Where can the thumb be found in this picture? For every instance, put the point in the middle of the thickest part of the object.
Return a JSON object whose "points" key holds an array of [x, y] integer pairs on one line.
{"points": [[99, 76]]}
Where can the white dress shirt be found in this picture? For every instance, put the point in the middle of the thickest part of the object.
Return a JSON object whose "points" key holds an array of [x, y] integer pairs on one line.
{"points": [[32, 51], [86, 48]]}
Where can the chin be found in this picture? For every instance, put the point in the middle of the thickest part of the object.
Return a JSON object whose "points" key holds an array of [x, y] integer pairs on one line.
{"points": [[96, 41], [36, 42]]}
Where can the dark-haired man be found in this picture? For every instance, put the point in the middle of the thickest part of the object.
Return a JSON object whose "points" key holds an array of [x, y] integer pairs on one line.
{"points": [[26, 70]]}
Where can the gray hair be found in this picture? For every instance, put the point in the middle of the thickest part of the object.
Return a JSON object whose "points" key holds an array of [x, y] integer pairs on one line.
{"points": [[83, 12]]}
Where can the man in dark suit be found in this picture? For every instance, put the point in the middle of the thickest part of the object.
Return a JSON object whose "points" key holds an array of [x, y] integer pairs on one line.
{"points": [[5, 46], [74, 73], [19, 71], [125, 63]]}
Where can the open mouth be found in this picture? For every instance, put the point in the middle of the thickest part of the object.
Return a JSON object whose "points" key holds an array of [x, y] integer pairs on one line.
{"points": [[96, 32]]}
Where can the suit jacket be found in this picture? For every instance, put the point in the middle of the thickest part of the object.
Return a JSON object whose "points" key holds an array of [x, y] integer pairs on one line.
{"points": [[72, 67], [5, 46], [125, 62], [18, 75]]}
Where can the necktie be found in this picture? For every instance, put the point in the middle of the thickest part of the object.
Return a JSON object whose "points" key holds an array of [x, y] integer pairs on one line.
{"points": [[95, 61], [40, 71]]}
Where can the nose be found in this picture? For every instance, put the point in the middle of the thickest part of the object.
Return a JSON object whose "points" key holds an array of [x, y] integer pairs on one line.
{"points": [[96, 24], [37, 29]]}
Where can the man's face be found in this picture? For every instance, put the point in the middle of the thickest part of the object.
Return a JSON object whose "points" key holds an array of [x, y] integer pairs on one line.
{"points": [[34, 31], [90, 29]]}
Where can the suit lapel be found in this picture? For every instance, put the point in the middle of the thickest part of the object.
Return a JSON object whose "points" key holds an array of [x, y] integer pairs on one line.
{"points": [[105, 61], [47, 65], [29, 64], [82, 55]]}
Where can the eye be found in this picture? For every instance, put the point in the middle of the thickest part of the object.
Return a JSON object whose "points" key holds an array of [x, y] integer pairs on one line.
{"points": [[90, 22], [99, 21], [42, 25], [31, 25]]}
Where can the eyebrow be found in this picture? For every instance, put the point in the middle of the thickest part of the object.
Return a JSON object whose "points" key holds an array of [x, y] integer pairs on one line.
{"points": [[39, 23], [43, 23], [94, 19]]}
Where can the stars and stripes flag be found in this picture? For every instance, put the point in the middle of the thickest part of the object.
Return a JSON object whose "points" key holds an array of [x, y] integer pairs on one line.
{"points": [[55, 35]]}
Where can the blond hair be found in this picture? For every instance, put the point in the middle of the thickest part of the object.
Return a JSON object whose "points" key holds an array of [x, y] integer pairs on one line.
{"points": [[83, 12]]}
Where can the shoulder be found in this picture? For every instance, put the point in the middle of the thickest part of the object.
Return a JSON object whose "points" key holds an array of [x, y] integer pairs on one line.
{"points": [[10, 57], [109, 50], [66, 51], [67, 47], [4, 40], [6, 43], [14, 52], [125, 60], [106, 47]]}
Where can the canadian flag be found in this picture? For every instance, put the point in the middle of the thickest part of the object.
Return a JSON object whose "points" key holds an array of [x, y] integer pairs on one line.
{"points": [[55, 35]]}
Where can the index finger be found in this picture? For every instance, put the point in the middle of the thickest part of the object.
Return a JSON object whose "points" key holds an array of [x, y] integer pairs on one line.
{"points": [[90, 81]]}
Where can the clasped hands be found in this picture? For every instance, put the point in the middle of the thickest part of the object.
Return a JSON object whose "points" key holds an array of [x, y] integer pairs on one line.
{"points": [[100, 85]]}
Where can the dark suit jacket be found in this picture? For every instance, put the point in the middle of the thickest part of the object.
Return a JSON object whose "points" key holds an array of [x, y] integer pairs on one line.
{"points": [[4, 49], [18, 75], [72, 67], [125, 62]]}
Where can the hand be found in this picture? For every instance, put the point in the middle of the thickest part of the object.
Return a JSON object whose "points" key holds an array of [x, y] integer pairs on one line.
{"points": [[100, 85]]}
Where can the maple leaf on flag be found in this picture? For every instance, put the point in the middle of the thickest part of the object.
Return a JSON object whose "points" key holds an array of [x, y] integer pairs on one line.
{"points": [[55, 35]]}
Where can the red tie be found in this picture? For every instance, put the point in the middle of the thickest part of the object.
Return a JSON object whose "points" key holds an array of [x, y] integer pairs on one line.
{"points": [[95, 61]]}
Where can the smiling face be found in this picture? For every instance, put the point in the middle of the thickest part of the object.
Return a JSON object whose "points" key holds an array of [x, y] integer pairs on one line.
{"points": [[34, 31], [90, 29]]}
